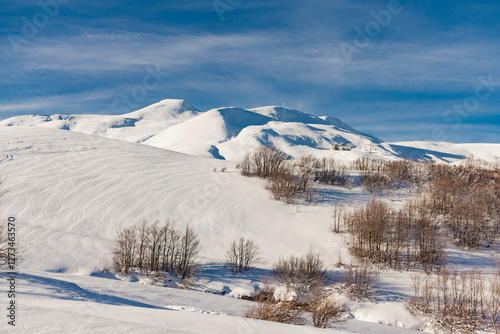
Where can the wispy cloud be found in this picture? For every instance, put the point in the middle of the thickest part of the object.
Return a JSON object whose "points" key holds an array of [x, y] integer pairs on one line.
{"points": [[264, 52]]}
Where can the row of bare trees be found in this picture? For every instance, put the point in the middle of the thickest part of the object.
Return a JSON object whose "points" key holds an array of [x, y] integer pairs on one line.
{"points": [[288, 179], [388, 176], [465, 199], [265, 162], [157, 248], [324, 170], [459, 302], [396, 238], [283, 180]]}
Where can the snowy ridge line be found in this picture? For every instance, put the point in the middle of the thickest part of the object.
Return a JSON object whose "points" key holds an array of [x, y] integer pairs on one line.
{"points": [[227, 133]]}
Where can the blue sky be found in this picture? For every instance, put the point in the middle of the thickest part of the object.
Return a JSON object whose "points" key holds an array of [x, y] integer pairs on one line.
{"points": [[399, 70]]}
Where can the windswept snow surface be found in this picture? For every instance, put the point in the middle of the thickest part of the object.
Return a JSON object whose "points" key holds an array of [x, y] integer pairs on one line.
{"points": [[72, 191]]}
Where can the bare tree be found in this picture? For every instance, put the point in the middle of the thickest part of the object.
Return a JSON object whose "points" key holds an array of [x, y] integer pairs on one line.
{"points": [[170, 251], [242, 255], [286, 185], [124, 254], [327, 171], [156, 239], [301, 273], [337, 216], [188, 251], [142, 244]]}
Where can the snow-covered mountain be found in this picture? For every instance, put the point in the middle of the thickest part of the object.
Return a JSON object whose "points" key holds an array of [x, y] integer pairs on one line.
{"points": [[223, 133], [229, 133], [136, 126]]}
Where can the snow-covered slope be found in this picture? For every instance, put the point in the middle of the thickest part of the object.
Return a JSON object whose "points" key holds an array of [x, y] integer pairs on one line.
{"points": [[487, 152], [71, 192], [201, 135], [136, 126]]}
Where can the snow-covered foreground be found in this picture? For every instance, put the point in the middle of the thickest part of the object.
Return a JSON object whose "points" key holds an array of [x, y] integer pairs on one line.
{"points": [[63, 303], [71, 192]]}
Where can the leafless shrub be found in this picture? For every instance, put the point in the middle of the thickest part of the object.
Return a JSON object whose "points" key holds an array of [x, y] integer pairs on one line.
{"points": [[301, 273], [360, 280], [286, 185], [343, 177], [490, 292], [325, 310], [468, 200], [429, 248], [399, 170], [380, 175], [283, 312], [330, 171], [170, 248], [307, 164], [481, 164], [242, 255], [245, 165], [376, 182], [368, 228], [264, 162]]}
